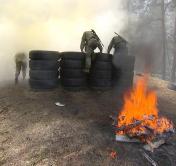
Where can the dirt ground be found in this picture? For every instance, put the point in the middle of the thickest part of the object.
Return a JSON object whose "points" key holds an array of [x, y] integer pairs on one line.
{"points": [[33, 131]]}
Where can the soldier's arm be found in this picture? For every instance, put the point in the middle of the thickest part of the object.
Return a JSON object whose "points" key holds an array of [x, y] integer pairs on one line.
{"points": [[83, 42], [100, 47], [118, 41], [96, 37], [110, 45]]}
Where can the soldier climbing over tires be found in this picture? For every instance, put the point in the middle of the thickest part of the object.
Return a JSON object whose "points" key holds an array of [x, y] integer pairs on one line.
{"points": [[90, 41], [117, 42], [123, 64], [21, 65], [120, 48]]}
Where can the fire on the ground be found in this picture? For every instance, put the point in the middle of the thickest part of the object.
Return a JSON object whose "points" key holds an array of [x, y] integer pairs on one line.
{"points": [[139, 117]]}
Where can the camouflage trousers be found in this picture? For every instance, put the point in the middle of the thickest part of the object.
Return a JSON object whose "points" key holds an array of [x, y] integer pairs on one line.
{"points": [[20, 66], [90, 58]]}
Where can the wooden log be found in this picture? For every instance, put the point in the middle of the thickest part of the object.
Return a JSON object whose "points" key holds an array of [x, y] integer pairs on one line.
{"points": [[135, 124], [130, 126]]}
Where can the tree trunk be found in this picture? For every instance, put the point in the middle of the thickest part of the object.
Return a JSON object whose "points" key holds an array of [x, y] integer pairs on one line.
{"points": [[174, 59], [163, 40]]}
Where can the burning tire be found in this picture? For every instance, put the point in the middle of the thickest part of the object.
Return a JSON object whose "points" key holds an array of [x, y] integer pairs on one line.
{"points": [[43, 75], [43, 65], [43, 84], [43, 55]]}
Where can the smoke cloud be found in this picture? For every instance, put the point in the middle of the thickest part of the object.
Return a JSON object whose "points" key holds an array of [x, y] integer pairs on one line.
{"points": [[53, 25]]}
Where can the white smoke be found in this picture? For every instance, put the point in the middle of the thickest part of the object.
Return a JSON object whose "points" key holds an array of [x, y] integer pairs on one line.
{"points": [[53, 25]]}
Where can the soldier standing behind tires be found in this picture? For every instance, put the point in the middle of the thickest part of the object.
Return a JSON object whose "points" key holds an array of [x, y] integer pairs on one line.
{"points": [[123, 65], [120, 48], [21, 65], [90, 41]]}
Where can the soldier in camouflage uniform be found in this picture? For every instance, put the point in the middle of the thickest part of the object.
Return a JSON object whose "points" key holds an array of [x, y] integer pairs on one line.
{"points": [[90, 42], [21, 65], [120, 48]]}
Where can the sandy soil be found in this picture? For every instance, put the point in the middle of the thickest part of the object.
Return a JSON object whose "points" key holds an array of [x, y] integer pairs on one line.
{"points": [[33, 131]]}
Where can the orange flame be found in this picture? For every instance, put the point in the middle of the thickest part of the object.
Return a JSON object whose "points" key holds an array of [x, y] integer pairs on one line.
{"points": [[140, 111]]}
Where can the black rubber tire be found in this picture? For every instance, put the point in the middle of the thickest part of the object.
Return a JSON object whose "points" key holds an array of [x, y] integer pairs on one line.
{"points": [[116, 73], [43, 84], [43, 65], [126, 63], [101, 74], [72, 55], [100, 65], [124, 79], [172, 86], [43, 75], [127, 77], [72, 64], [72, 73], [73, 82], [101, 83], [43, 55], [103, 57]]}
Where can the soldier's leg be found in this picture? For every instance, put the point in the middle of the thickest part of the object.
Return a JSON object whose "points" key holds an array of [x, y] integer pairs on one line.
{"points": [[17, 73], [93, 44], [94, 56], [88, 59], [24, 67]]}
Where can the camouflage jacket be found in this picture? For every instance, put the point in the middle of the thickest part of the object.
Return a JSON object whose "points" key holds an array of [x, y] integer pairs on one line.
{"points": [[87, 36], [117, 42], [20, 57]]}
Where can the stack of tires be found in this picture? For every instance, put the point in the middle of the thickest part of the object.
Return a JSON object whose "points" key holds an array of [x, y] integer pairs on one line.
{"points": [[124, 72], [72, 66], [101, 72], [43, 69]]}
